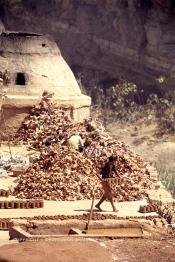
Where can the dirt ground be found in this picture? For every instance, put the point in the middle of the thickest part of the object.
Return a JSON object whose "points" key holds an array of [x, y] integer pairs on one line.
{"points": [[141, 250], [66, 250], [56, 251], [160, 151]]}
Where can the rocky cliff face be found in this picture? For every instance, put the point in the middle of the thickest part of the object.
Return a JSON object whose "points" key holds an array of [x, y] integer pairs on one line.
{"points": [[104, 39]]}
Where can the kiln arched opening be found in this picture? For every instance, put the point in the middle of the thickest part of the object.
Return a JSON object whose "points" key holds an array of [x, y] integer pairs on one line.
{"points": [[20, 79]]}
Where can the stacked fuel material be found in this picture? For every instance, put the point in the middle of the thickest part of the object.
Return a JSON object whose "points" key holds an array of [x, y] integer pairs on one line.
{"points": [[62, 173]]}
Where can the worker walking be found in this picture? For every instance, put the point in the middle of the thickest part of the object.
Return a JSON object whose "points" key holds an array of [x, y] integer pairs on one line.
{"points": [[1, 79], [6, 78], [107, 174], [76, 142]]}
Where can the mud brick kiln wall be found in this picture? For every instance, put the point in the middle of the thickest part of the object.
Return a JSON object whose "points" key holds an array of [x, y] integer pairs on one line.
{"points": [[34, 63]]}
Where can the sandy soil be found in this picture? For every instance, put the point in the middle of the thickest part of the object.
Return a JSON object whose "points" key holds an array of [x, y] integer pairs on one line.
{"points": [[78, 207], [58, 251], [141, 250], [159, 151], [128, 250]]}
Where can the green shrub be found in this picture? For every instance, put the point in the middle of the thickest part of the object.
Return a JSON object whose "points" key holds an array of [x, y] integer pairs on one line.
{"points": [[164, 110], [117, 103]]}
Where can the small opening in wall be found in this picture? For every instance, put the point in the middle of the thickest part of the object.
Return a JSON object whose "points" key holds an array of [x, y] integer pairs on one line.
{"points": [[146, 4], [43, 45], [20, 79], [125, 4]]}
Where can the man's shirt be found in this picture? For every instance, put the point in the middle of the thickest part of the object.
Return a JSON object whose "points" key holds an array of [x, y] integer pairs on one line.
{"points": [[107, 170]]}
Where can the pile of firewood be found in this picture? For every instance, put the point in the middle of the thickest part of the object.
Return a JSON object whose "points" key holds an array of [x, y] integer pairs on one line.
{"points": [[167, 211], [59, 174], [62, 173]]}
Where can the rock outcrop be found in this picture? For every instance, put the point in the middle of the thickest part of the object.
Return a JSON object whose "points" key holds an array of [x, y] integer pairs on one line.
{"points": [[105, 39]]}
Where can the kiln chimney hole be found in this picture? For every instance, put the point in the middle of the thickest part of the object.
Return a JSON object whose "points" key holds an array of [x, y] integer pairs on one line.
{"points": [[20, 79]]}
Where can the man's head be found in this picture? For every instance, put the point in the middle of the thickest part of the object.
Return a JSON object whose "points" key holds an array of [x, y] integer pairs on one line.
{"points": [[47, 94], [113, 159]]}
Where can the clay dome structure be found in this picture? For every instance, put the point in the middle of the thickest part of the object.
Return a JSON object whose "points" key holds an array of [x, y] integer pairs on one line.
{"points": [[30, 64]]}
